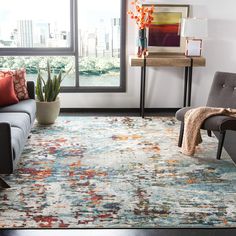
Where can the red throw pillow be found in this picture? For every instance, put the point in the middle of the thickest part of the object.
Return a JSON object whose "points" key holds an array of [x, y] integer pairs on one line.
{"points": [[7, 92], [20, 84]]}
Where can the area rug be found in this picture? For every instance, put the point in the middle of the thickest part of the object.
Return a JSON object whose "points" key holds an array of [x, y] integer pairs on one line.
{"points": [[118, 172]]}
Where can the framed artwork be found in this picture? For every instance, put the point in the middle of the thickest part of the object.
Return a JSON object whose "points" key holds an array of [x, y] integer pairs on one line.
{"points": [[164, 33]]}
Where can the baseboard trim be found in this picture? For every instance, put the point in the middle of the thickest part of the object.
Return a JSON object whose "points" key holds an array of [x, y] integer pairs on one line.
{"points": [[118, 110]]}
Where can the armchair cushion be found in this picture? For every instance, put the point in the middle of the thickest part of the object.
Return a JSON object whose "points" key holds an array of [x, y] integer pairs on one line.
{"points": [[181, 112], [219, 123], [213, 123]]}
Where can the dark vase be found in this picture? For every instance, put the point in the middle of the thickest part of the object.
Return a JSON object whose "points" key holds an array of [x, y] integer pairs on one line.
{"points": [[142, 43]]}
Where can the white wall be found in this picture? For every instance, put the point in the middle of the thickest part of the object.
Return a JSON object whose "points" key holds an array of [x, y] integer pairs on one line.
{"points": [[165, 85]]}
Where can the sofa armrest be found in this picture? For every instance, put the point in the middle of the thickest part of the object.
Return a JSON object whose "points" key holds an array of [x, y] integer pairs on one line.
{"points": [[31, 89], [6, 157]]}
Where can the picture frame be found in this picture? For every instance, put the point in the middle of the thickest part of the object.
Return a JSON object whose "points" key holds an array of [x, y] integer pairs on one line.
{"points": [[193, 48], [164, 33]]}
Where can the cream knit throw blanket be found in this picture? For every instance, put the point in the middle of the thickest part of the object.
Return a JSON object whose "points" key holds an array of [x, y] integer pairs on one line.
{"points": [[193, 121]]}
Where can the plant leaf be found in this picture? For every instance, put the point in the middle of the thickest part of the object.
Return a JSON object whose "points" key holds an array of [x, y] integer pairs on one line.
{"points": [[39, 88]]}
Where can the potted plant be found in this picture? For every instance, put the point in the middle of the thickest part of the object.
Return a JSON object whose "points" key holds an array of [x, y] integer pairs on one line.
{"points": [[47, 102]]}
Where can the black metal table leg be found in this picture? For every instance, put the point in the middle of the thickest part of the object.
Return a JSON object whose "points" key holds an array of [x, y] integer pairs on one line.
{"points": [[144, 85], [143, 82], [141, 91], [190, 82], [185, 86]]}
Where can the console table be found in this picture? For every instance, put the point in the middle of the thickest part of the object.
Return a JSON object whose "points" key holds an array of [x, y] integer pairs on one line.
{"points": [[167, 60]]}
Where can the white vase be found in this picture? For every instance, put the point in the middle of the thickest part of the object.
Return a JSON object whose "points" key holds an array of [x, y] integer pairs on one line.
{"points": [[47, 112]]}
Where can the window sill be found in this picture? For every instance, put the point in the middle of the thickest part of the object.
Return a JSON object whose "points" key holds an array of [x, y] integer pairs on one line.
{"points": [[121, 89]]}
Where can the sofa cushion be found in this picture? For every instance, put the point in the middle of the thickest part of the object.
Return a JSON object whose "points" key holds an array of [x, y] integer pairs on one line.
{"points": [[25, 106], [19, 120], [18, 141], [7, 93]]}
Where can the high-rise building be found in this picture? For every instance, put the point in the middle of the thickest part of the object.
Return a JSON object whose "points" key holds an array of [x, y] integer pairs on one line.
{"points": [[101, 37], [41, 33], [115, 36], [25, 33]]}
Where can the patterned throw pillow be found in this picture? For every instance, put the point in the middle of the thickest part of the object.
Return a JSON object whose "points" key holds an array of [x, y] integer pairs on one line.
{"points": [[20, 84], [19, 80]]}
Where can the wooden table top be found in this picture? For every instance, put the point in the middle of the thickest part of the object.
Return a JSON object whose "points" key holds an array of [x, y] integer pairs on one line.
{"points": [[172, 60]]}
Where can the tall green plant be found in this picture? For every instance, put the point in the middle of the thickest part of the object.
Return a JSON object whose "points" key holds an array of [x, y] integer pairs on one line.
{"points": [[47, 91]]}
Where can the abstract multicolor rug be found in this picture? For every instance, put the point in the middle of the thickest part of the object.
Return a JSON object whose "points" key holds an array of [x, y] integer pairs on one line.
{"points": [[118, 172]]}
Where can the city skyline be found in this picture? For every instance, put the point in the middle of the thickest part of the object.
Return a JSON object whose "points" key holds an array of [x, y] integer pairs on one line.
{"points": [[103, 38], [29, 33]]}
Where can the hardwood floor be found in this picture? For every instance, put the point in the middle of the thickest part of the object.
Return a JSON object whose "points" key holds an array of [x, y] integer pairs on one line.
{"points": [[117, 112], [121, 232]]}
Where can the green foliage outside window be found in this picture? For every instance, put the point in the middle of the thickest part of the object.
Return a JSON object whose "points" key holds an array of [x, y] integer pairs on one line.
{"points": [[87, 65]]}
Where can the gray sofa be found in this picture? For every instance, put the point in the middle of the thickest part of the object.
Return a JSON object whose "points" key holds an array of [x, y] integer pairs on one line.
{"points": [[16, 122]]}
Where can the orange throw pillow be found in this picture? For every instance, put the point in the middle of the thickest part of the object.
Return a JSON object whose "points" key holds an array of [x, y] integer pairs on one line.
{"points": [[7, 93]]}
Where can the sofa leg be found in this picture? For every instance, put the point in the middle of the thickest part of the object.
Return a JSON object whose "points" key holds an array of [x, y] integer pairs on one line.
{"points": [[181, 134], [3, 183], [209, 133], [220, 144]]}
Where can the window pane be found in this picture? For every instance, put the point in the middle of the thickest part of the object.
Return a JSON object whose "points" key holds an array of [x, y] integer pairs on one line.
{"points": [[32, 24], [99, 42], [33, 63]]}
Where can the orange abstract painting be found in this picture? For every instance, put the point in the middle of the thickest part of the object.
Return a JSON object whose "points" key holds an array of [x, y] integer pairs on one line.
{"points": [[164, 30]]}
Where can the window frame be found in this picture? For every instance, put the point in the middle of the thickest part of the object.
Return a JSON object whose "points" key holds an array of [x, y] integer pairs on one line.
{"points": [[73, 51]]}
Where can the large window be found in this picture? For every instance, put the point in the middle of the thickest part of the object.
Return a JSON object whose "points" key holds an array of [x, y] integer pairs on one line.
{"points": [[35, 24], [86, 36], [99, 29]]}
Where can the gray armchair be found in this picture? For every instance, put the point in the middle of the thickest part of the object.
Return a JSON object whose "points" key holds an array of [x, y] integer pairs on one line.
{"points": [[222, 94]]}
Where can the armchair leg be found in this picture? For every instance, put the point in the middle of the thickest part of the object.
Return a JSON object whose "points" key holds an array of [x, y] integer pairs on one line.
{"points": [[220, 144], [209, 133], [181, 133], [3, 183]]}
